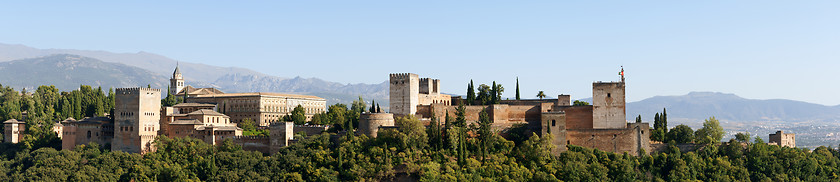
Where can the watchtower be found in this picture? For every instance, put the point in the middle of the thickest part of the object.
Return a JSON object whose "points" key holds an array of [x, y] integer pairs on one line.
{"points": [[608, 104], [13, 130], [136, 119], [404, 93]]}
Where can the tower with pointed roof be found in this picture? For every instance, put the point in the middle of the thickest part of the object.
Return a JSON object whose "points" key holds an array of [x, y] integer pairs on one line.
{"points": [[176, 83]]}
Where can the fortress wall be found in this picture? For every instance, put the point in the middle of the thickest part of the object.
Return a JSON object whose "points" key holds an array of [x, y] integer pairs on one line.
{"points": [[610, 140], [577, 117]]}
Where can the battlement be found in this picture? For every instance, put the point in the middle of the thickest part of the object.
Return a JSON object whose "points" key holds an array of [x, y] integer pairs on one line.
{"points": [[401, 76], [249, 138], [136, 90]]}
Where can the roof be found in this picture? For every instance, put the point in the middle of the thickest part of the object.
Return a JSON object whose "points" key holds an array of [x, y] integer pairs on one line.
{"points": [[194, 105], [94, 120], [255, 94], [199, 91], [187, 122], [226, 128], [177, 71], [206, 112], [14, 121]]}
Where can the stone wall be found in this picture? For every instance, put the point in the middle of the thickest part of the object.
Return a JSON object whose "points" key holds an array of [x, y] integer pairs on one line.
{"points": [[577, 117], [628, 140], [252, 143], [310, 130]]}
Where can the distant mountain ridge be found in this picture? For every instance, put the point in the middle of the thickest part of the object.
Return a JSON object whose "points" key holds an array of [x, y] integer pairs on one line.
{"points": [[67, 72], [701, 105], [227, 79]]}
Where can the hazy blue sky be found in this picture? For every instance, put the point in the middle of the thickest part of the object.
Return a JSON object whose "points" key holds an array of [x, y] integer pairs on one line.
{"points": [[756, 49]]}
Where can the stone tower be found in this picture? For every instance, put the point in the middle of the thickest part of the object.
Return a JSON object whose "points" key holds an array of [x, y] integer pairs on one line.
{"points": [[136, 119], [14, 129], [608, 110], [404, 94], [279, 135], [176, 83]]}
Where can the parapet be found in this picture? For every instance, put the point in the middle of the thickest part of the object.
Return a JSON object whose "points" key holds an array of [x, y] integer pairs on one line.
{"points": [[136, 90], [399, 76]]}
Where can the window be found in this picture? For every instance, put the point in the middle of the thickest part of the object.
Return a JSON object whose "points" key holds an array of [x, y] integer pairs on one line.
{"points": [[553, 122], [609, 95], [88, 134]]}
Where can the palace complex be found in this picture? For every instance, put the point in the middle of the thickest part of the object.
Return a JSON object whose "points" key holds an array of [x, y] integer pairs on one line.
{"points": [[212, 116]]}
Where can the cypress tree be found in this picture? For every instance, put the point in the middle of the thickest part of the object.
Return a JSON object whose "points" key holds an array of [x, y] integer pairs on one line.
{"points": [[372, 106], [494, 99], [470, 93], [378, 109], [664, 120], [517, 88]]}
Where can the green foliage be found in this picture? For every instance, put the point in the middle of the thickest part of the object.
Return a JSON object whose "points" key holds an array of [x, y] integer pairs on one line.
{"points": [[517, 88], [681, 134], [541, 94], [471, 93], [743, 137], [711, 132], [299, 115], [580, 103]]}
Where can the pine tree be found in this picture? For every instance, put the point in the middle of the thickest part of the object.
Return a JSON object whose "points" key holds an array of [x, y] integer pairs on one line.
{"points": [[517, 88]]}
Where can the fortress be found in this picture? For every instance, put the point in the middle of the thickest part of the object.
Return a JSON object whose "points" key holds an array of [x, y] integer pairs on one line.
{"points": [[601, 125]]}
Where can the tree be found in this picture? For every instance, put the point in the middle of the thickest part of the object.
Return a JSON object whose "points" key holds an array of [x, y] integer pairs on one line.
{"points": [[471, 93], [517, 88], [498, 90], [664, 119], [336, 113], [372, 106], [485, 133], [580, 103], [681, 134], [247, 125], [484, 96], [378, 109], [711, 132], [299, 115], [639, 119], [493, 91], [541, 94], [743, 137]]}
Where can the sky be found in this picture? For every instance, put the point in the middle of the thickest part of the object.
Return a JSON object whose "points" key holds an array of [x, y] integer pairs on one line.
{"points": [[755, 49]]}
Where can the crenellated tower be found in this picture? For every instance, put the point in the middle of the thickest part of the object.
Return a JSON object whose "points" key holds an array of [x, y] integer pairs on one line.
{"points": [[404, 94]]}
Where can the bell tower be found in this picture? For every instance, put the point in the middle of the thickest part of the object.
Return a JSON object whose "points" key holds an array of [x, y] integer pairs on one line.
{"points": [[176, 83]]}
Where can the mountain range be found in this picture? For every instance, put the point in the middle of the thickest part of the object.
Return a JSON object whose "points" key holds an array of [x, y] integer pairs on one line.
{"points": [[158, 69], [26, 67]]}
